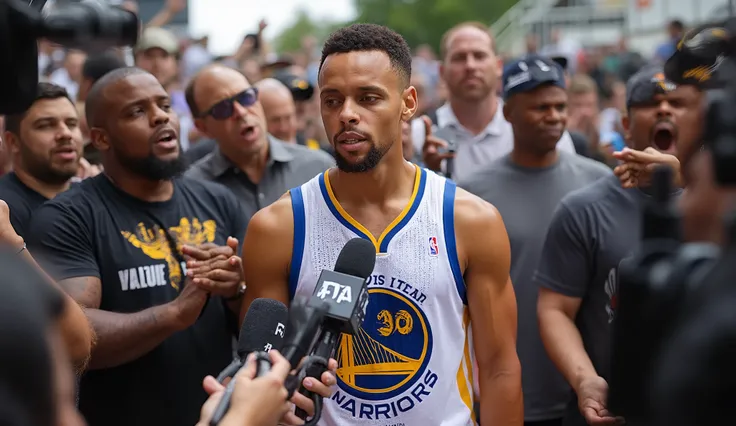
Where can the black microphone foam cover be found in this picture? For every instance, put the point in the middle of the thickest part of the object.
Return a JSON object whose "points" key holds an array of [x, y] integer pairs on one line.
{"points": [[357, 258], [263, 327]]}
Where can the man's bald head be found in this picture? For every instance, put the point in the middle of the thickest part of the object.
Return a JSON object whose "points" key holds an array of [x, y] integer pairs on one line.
{"points": [[272, 90], [279, 108], [203, 82], [95, 105]]}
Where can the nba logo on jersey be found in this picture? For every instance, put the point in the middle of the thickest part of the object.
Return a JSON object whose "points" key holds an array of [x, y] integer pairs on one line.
{"points": [[434, 249]]}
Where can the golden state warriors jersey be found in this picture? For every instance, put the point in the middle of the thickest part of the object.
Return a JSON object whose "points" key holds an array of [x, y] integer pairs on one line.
{"points": [[411, 363]]}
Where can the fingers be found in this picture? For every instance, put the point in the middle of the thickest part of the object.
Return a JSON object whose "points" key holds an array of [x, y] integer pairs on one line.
{"points": [[290, 419], [248, 371], [233, 244], [280, 367], [211, 385], [204, 266], [321, 388], [427, 125], [206, 251], [332, 365], [304, 403]]}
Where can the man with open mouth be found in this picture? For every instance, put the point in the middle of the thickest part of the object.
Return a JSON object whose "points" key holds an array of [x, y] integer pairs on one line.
{"points": [[594, 228]]}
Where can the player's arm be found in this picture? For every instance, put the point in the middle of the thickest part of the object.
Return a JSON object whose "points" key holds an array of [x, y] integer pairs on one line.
{"points": [[492, 303], [563, 275], [267, 251], [65, 249]]}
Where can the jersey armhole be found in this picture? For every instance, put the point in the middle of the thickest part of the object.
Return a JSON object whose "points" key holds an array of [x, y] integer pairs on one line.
{"points": [[448, 223], [297, 208]]}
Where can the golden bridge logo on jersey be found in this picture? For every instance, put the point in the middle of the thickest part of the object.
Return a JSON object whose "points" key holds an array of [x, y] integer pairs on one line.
{"points": [[160, 244], [382, 371]]}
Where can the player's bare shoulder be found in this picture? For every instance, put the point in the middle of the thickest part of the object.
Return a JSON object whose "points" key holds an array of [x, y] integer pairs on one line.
{"points": [[479, 227], [271, 229]]}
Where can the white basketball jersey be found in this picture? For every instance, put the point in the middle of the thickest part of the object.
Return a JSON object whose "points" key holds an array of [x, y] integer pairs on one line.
{"points": [[410, 364]]}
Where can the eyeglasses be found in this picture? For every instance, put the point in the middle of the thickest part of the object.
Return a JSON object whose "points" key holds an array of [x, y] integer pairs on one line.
{"points": [[224, 109]]}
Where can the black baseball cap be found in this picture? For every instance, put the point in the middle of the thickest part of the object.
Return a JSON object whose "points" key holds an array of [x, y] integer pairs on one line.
{"points": [[530, 72], [643, 86], [300, 88], [699, 56]]}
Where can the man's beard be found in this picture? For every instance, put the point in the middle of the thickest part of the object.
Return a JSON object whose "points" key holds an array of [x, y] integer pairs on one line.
{"points": [[152, 167], [370, 161], [41, 169]]}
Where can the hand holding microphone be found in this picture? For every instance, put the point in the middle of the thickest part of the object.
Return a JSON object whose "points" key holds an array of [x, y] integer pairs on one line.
{"points": [[255, 401]]}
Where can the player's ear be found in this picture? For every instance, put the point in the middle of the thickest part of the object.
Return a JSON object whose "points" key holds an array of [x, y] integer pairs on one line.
{"points": [[11, 141], [409, 103], [626, 124]]}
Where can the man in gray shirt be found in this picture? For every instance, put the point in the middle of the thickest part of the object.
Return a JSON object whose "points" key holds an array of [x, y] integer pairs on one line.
{"points": [[257, 167], [526, 186], [592, 231]]}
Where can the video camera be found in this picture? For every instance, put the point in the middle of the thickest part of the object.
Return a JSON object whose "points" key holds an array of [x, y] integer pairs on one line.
{"points": [[674, 334], [86, 25]]}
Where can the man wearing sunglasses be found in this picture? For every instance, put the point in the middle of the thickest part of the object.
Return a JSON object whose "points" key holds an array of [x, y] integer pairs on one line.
{"points": [[256, 166]]}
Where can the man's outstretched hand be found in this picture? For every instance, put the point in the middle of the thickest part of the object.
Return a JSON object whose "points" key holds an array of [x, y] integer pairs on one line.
{"points": [[637, 167]]}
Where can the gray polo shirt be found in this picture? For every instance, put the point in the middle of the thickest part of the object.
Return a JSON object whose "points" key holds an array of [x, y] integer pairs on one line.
{"points": [[289, 165]]}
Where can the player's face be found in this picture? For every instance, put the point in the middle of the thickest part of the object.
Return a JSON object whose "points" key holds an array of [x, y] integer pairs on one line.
{"points": [[363, 103], [538, 117], [142, 129], [670, 123], [50, 141]]}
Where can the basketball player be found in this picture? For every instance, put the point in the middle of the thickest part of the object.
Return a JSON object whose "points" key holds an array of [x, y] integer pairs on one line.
{"points": [[442, 255]]}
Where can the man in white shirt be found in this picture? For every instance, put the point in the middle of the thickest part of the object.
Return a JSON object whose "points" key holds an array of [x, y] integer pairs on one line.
{"points": [[473, 115]]}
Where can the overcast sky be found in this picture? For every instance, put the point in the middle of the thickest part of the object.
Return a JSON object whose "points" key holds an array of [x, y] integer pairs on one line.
{"points": [[227, 21]]}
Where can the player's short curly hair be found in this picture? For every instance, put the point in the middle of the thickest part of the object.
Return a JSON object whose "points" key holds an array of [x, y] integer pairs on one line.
{"points": [[367, 37]]}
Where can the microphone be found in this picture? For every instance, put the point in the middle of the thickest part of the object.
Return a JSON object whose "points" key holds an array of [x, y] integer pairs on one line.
{"points": [[344, 294], [262, 330]]}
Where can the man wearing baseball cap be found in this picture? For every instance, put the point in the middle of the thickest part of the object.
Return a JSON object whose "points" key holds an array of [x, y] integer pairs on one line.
{"points": [[592, 231], [696, 66], [526, 186]]}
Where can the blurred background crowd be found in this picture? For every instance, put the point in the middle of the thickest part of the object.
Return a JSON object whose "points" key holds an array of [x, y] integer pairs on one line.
{"points": [[601, 43]]}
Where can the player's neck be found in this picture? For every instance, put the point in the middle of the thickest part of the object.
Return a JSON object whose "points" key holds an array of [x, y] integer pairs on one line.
{"points": [[375, 186], [139, 187], [533, 160], [475, 115], [48, 190]]}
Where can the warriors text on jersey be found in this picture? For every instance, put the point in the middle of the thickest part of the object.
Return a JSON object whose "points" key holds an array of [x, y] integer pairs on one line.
{"points": [[410, 364]]}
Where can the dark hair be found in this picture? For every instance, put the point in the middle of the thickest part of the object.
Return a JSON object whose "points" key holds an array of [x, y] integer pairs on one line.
{"points": [[43, 91], [98, 65], [677, 25], [367, 37]]}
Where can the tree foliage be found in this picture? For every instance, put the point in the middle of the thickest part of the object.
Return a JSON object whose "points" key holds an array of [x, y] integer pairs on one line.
{"points": [[425, 21], [419, 21]]}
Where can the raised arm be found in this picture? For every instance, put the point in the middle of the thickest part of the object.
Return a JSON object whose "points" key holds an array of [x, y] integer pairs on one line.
{"points": [[65, 248], [486, 253], [75, 328], [267, 254]]}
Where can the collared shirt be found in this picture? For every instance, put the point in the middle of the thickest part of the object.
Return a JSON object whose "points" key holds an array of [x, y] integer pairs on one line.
{"points": [[475, 152], [288, 166]]}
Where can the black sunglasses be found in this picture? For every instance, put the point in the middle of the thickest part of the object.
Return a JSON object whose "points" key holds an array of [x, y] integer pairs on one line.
{"points": [[224, 109]]}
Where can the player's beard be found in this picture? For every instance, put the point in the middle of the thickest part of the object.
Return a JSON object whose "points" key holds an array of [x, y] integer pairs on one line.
{"points": [[152, 167], [370, 161]]}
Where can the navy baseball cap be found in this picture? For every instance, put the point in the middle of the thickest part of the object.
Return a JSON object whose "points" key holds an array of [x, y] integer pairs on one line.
{"points": [[530, 72], [643, 86]]}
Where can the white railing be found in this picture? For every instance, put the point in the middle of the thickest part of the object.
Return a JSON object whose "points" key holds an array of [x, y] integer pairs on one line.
{"points": [[509, 30]]}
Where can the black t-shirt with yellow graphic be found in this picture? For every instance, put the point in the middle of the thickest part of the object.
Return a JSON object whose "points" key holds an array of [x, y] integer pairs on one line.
{"points": [[97, 230]]}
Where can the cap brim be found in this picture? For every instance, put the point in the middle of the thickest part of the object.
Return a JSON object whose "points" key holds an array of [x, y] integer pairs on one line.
{"points": [[673, 68]]}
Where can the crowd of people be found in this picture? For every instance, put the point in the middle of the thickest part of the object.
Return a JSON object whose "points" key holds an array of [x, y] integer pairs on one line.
{"points": [[160, 191]]}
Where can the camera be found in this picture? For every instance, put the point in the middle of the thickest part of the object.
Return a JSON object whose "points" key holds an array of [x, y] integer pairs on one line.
{"points": [[86, 25], [674, 332]]}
